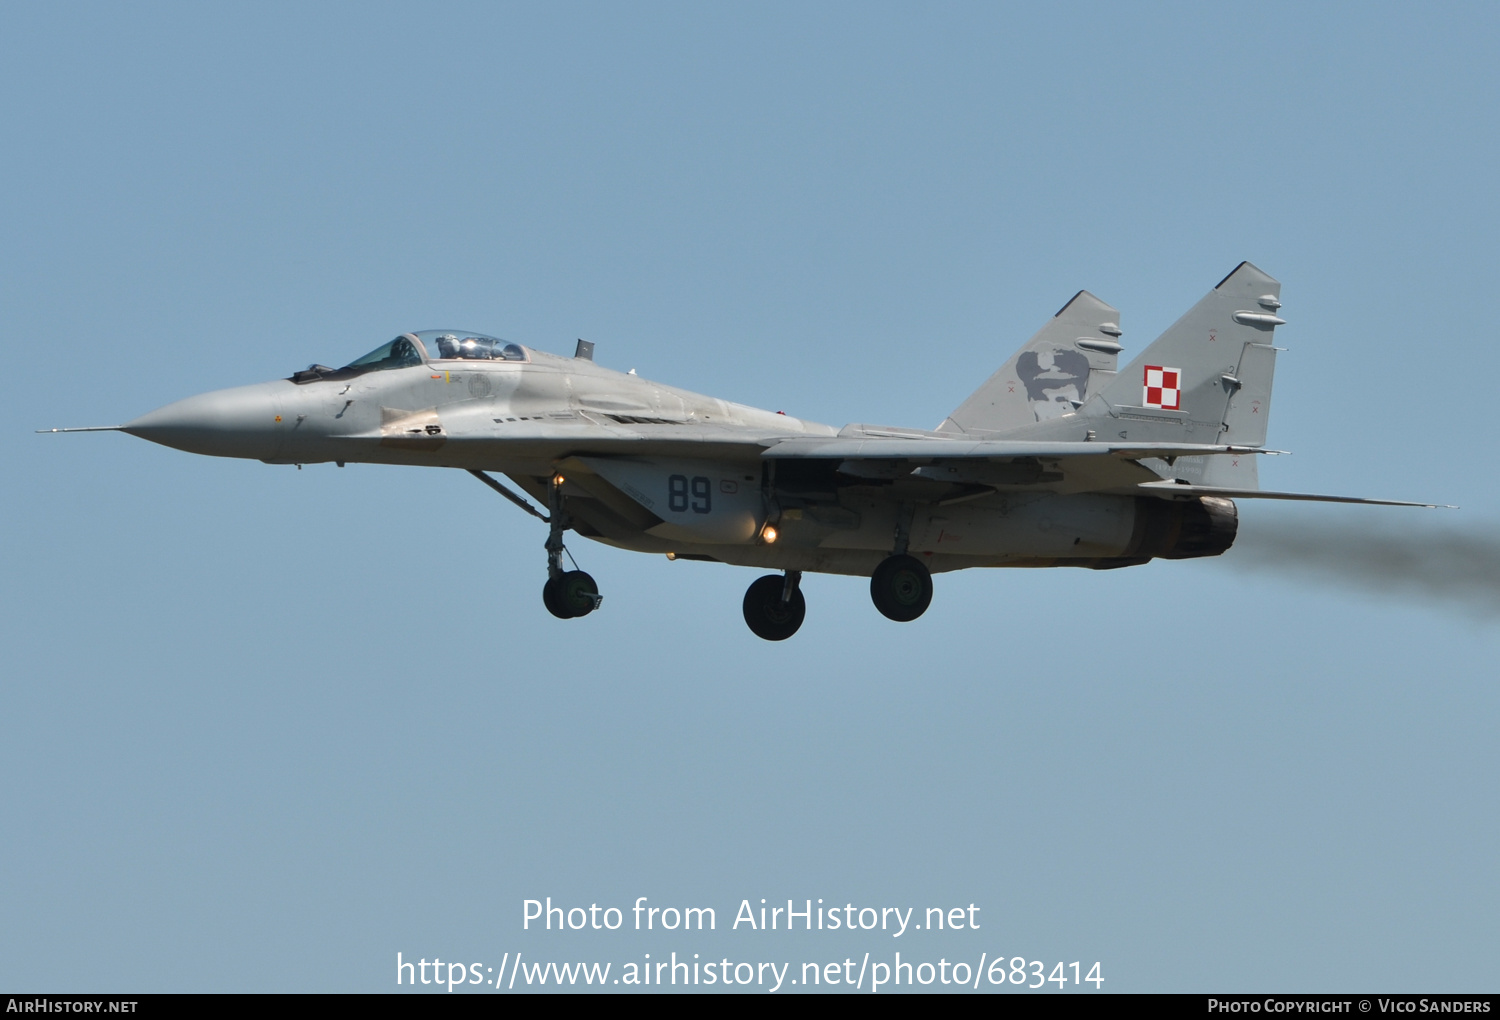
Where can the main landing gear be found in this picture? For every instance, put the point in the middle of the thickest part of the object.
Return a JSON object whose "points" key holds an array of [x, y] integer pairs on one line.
{"points": [[774, 606], [901, 589], [901, 586]]}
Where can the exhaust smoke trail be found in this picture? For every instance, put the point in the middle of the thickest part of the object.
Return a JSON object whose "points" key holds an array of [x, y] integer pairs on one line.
{"points": [[1460, 567]]}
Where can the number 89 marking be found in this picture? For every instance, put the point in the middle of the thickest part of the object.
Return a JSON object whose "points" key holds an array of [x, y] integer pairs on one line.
{"points": [[677, 494]]}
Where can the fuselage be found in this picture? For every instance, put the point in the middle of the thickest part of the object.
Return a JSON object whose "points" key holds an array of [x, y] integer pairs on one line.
{"points": [[655, 468]]}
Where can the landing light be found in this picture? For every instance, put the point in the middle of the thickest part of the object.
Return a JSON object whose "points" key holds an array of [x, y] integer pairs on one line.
{"points": [[768, 534]]}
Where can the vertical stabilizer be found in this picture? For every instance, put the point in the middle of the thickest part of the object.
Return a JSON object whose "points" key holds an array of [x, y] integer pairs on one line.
{"points": [[1207, 379], [1070, 359]]}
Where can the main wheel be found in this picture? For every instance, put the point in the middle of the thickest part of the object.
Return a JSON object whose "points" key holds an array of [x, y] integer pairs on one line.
{"points": [[769, 617], [901, 588]]}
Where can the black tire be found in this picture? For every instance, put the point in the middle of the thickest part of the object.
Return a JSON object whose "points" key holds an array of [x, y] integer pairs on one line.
{"points": [[767, 616], [576, 593], [552, 599], [901, 588]]}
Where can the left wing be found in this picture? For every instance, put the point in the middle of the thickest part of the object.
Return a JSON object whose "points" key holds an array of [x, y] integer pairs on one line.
{"points": [[1109, 467], [979, 467], [861, 448]]}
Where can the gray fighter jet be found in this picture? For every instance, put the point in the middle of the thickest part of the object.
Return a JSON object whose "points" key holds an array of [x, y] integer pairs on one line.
{"points": [[1059, 459]]}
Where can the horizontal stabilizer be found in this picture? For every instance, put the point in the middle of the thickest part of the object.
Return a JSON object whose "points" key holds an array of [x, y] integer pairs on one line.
{"points": [[1174, 489]]}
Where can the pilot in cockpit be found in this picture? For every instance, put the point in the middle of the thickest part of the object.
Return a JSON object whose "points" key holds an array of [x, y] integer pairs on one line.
{"points": [[444, 346], [403, 353]]}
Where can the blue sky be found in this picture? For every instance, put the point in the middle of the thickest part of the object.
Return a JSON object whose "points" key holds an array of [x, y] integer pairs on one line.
{"points": [[265, 728]]}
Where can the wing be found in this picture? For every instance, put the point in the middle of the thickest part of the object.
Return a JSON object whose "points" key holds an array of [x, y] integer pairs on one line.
{"points": [[979, 467], [866, 447], [953, 470]]}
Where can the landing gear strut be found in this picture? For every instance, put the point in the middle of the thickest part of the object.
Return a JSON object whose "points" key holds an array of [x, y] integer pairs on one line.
{"points": [[774, 606], [901, 588], [567, 593]]}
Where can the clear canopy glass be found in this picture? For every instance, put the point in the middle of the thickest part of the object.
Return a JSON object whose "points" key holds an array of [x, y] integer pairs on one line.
{"points": [[411, 349], [464, 345], [399, 353]]}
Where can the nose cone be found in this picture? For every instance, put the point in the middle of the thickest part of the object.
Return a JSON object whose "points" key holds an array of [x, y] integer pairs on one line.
{"points": [[242, 422]]}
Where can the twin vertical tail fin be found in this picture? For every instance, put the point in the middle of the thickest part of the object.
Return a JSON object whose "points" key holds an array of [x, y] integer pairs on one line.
{"points": [[1207, 379], [1068, 360]]}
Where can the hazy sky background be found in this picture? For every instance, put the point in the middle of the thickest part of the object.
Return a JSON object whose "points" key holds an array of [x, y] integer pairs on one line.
{"points": [[264, 728]]}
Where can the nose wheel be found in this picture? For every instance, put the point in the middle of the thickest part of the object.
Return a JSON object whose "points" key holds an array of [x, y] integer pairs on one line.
{"points": [[774, 606], [570, 594], [901, 588]]}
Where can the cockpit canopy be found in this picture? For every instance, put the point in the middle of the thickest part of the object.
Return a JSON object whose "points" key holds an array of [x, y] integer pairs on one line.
{"points": [[401, 352], [446, 344], [410, 349]]}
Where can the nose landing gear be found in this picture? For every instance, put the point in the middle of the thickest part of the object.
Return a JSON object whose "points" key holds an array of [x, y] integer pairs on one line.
{"points": [[774, 606], [567, 593]]}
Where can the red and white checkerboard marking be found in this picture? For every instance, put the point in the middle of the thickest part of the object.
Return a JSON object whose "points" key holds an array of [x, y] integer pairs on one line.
{"points": [[1163, 388]]}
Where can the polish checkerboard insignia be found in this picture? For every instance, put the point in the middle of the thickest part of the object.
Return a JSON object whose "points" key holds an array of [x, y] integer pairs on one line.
{"points": [[1163, 388]]}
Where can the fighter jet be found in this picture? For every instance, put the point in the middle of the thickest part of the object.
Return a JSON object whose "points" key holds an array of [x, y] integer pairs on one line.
{"points": [[1059, 459]]}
